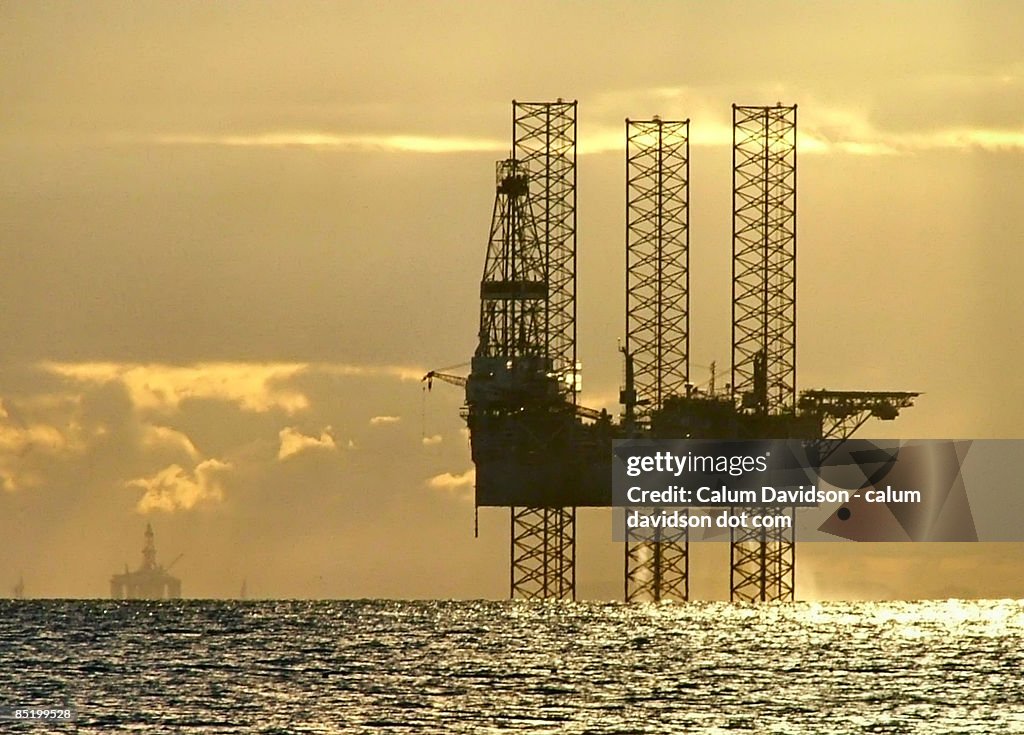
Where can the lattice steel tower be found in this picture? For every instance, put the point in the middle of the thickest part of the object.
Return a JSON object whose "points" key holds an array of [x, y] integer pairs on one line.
{"points": [[513, 290], [543, 539], [657, 319], [764, 318]]}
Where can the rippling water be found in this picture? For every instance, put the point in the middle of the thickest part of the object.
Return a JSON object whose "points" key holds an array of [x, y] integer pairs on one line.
{"points": [[493, 667]]}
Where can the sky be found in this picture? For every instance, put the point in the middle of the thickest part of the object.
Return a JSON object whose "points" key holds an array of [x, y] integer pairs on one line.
{"points": [[233, 236]]}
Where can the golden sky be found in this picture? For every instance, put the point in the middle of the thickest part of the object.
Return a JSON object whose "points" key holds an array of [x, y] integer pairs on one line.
{"points": [[234, 235]]}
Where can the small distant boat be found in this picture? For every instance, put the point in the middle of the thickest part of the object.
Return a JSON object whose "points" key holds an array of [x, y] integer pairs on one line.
{"points": [[244, 593], [19, 589]]}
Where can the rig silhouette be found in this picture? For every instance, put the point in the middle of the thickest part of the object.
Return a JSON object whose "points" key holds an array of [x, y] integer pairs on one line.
{"points": [[151, 581], [542, 455]]}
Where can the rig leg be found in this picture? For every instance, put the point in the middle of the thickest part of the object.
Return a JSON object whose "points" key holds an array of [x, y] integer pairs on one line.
{"points": [[762, 563], [658, 570], [543, 554]]}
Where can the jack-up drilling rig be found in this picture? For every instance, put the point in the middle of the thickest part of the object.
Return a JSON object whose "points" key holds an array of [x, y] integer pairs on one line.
{"points": [[542, 455]]}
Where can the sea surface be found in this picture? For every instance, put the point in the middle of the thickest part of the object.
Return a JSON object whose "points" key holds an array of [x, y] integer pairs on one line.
{"points": [[513, 667]]}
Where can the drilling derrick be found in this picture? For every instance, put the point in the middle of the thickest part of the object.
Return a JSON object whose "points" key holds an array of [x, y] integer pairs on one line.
{"points": [[514, 287], [657, 322], [764, 322]]}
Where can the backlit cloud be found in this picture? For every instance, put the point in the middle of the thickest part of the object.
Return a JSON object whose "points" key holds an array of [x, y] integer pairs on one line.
{"points": [[401, 372], [452, 482], [342, 141], [823, 127], [35, 437], [27, 439], [156, 437], [293, 442], [174, 488], [384, 420], [252, 386]]}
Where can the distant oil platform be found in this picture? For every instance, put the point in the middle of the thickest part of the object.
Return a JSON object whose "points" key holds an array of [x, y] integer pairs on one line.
{"points": [[151, 581]]}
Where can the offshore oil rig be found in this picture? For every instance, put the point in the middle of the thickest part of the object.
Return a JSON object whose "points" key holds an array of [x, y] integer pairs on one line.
{"points": [[151, 581], [541, 454]]}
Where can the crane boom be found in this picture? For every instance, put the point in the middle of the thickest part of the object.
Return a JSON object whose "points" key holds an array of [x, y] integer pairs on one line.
{"points": [[443, 377]]}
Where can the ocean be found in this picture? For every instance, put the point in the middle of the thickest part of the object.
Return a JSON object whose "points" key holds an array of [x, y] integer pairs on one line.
{"points": [[203, 666]]}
